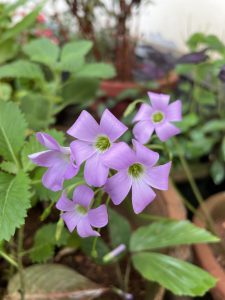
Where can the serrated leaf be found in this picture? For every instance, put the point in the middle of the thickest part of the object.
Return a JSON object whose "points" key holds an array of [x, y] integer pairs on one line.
{"points": [[180, 277], [169, 233], [43, 51], [97, 70], [12, 130], [45, 242], [9, 167], [14, 202], [21, 69]]}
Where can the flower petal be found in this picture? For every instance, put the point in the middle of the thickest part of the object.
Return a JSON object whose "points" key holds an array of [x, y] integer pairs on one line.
{"points": [[84, 228], [98, 217], [54, 177], [120, 156], [159, 101], [166, 130], [71, 170], [145, 155], [71, 218], [64, 203], [142, 195], [174, 111], [158, 176], [47, 141], [85, 128], [46, 158], [83, 195], [111, 126], [144, 113], [143, 131], [81, 151], [118, 186], [95, 172]]}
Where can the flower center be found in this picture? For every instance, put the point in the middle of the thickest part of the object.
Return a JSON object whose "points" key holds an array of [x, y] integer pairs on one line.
{"points": [[136, 170], [102, 143], [81, 209], [157, 117]]}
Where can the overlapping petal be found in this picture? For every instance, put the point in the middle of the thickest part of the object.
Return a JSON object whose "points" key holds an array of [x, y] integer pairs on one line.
{"points": [[84, 228], [81, 151], [174, 111], [159, 101], [83, 195], [143, 131], [166, 130], [145, 155], [143, 113], [95, 171], [53, 179], [72, 219], [45, 158], [98, 217], [158, 176], [47, 141], [64, 203]]}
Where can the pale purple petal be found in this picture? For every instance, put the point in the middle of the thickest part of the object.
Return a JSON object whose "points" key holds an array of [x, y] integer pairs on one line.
{"points": [[120, 156], [95, 171], [143, 131], [145, 155], [166, 130], [71, 170], [84, 228], [83, 195], [98, 217], [118, 186], [144, 113], [47, 141], [64, 203], [85, 128], [111, 126], [46, 158], [81, 151], [158, 176], [72, 219], [142, 195], [54, 177], [159, 101], [174, 111]]}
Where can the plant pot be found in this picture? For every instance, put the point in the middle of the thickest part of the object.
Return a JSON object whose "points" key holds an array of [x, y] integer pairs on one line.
{"points": [[204, 253]]}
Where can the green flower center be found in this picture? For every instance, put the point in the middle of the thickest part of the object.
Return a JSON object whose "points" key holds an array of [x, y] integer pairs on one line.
{"points": [[102, 143], [81, 209], [136, 170], [157, 117]]}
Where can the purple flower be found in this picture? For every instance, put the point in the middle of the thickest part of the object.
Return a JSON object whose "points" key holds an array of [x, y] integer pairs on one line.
{"points": [[157, 117], [78, 214], [137, 171], [57, 159], [93, 142]]}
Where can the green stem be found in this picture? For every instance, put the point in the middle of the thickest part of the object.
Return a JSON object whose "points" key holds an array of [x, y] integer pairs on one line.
{"points": [[20, 263], [8, 258], [127, 276]]}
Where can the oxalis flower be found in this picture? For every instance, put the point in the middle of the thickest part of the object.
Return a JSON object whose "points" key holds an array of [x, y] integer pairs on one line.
{"points": [[57, 159], [137, 171], [93, 142], [157, 117], [78, 214]]}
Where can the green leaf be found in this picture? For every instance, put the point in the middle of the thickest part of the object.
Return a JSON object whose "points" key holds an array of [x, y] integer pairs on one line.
{"points": [[203, 96], [119, 229], [8, 50], [214, 125], [8, 167], [180, 277], [5, 91], [78, 48], [45, 242], [43, 51], [131, 107], [12, 130], [223, 148], [169, 233], [188, 121], [195, 40], [21, 69], [14, 203], [101, 248], [217, 171], [97, 70]]}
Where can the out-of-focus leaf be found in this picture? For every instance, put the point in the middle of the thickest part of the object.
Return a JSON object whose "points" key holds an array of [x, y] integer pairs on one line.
{"points": [[5, 91], [217, 171], [8, 50], [214, 125], [188, 121], [97, 70]]}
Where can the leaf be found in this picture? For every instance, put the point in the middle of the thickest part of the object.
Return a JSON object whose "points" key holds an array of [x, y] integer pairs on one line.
{"points": [[214, 125], [21, 69], [203, 96], [119, 229], [52, 281], [97, 70], [131, 107], [79, 48], [45, 242], [9, 167], [5, 91], [178, 276], [169, 233], [8, 50], [196, 39], [12, 130], [101, 248], [43, 51], [223, 148], [188, 121], [14, 203], [217, 171]]}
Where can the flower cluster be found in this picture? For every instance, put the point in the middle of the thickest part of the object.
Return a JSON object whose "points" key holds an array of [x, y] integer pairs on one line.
{"points": [[97, 147]]}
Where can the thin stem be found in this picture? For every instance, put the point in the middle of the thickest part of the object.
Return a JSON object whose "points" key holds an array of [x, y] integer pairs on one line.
{"points": [[20, 262], [8, 258], [127, 276]]}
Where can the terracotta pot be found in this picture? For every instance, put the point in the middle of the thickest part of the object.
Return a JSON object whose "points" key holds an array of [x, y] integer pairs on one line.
{"points": [[204, 254]]}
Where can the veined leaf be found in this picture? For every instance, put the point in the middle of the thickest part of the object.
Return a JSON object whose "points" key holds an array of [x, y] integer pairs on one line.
{"points": [[178, 276], [169, 233], [8, 167], [14, 203], [12, 130]]}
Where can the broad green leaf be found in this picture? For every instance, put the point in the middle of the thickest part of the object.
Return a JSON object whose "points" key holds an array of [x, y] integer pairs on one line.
{"points": [[180, 277], [204, 97], [168, 233], [5, 91], [45, 242], [188, 121], [213, 42], [21, 69], [12, 130], [8, 50], [77, 48], [196, 39], [214, 125], [14, 203], [42, 50], [8, 167], [217, 171], [119, 229], [183, 69], [97, 70]]}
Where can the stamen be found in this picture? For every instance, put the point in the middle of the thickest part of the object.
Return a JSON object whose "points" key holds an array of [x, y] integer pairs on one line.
{"points": [[102, 143], [136, 170], [157, 117]]}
